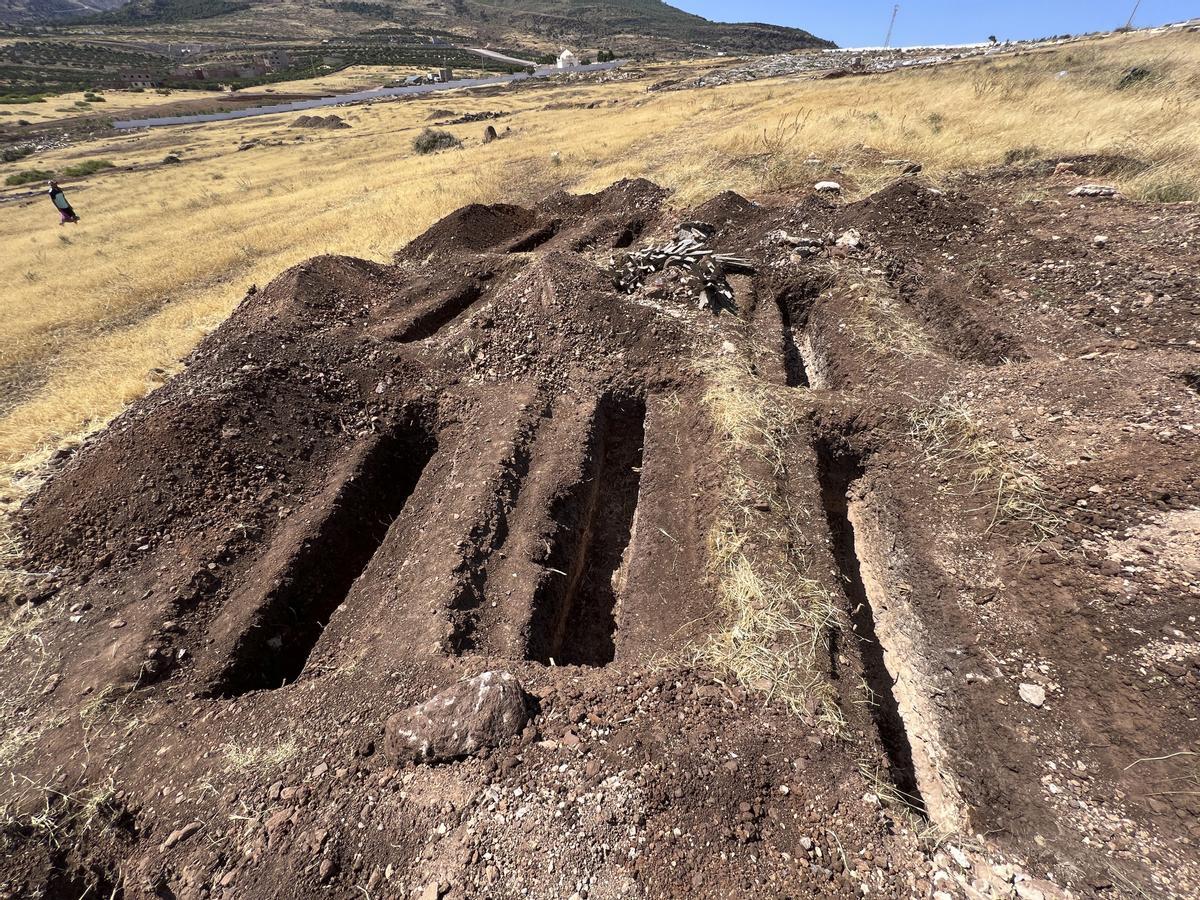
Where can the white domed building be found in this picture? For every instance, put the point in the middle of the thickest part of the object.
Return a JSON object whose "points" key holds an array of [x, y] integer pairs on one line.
{"points": [[567, 60]]}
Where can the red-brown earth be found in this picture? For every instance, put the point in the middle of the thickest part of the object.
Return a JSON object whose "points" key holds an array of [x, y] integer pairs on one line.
{"points": [[374, 481]]}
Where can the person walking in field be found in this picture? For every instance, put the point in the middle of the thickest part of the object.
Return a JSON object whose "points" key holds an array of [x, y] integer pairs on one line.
{"points": [[62, 204]]}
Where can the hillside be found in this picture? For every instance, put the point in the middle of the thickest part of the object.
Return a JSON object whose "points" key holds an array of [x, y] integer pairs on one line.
{"points": [[36, 10], [627, 26], [623, 19]]}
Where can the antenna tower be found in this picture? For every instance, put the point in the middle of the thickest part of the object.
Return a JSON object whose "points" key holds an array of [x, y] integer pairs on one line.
{"points": [[1129, 24], [887, 41]]}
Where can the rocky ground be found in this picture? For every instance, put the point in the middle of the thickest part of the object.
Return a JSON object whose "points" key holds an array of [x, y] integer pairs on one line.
{"points": [[841, 63], [864, 565]]}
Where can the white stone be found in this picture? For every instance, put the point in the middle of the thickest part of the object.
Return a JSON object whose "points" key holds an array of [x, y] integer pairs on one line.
{"points": [[850, 239], [959, 857], [1095, 190], [1032, 694]]}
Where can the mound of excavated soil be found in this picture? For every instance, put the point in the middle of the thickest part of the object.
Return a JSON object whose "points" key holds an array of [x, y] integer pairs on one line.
{"points": [[332, 121], [376, 481]]}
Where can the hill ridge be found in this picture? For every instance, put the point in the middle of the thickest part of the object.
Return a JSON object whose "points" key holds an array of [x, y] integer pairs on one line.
{"points": [[625, 26]]}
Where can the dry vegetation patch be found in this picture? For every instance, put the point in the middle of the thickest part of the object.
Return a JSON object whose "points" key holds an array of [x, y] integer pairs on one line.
{"points": [[778, 618], [97, 313], [953, 435]]}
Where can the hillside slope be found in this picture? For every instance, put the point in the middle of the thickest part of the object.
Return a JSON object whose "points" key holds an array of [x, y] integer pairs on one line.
{"points": [[624, 25], [32, 10], [587, 19]]}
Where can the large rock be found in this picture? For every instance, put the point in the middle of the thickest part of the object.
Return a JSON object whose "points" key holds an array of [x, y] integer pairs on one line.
{"points": [[458, 721]]}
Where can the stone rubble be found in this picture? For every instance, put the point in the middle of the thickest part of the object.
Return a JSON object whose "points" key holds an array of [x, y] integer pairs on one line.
{"points": [[704, 271], [844, 62]]}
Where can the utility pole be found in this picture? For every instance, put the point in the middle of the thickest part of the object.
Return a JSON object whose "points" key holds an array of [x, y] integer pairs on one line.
{"points": [[887, 41], [1129, 24]]}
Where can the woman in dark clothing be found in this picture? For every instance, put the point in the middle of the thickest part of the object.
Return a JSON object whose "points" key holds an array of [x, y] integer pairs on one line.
{"points": [[60, 203]]}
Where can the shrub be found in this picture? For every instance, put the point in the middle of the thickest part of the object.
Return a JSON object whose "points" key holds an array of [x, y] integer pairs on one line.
{"points": [[1167, 190], [1020, 155], [87, 167], [27, 176], [431, 140], [1134, 76], [12, 154]]}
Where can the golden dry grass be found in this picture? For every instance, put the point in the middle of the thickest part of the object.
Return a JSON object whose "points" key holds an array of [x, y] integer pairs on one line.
{"points": [[360, 78], [777, 618], [952, 432], [116, 103], [119, 103], [95, 314]]}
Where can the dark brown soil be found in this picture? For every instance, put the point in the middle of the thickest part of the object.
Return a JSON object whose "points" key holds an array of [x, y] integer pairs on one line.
{"points": [[373, 481]]}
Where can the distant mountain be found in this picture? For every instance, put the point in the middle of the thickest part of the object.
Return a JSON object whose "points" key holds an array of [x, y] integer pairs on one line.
{"points": [[623, 26], [592, 21]]}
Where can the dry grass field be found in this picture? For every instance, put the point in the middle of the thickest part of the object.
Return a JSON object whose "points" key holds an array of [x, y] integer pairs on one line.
{"points": [[115, 105], [98, 313], [360, 78], [118, 104]]}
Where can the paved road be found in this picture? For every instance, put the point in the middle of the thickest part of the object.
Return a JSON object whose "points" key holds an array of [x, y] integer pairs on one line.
{"points": [[356, 97], [500, 56]]}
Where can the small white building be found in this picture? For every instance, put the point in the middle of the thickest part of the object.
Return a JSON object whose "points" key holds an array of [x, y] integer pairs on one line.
{"points": [[567, 60]]}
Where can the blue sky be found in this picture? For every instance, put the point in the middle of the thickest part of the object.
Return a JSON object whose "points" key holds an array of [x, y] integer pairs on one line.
{"points": [[854, 23]]}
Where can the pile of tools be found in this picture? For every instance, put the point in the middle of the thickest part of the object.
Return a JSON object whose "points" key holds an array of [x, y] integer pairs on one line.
{"points": [[703, 271]]}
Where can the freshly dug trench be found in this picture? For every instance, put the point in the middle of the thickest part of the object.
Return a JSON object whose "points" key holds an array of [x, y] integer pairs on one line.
{"points": [[793, 361], [794, 303], [430, 321], [630, 233], [610, 233], [535, 238], [67, 886], [838, 473], [274, 649], [573, 618]]}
